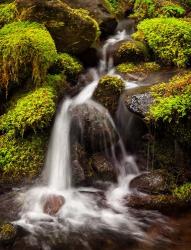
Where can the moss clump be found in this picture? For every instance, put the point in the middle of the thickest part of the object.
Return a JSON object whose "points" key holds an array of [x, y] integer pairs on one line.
{"points": [[33, 110], [25, 47], [169, 38], [21, 158], [172, 101], [153, 8], [8, 233], [109, 91], [183, 192], [132, 51], [130, 68], [69, 65], [8, 13]]}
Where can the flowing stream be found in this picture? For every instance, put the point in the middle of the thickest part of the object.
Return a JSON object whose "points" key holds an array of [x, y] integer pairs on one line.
{"points": [[83, 209]]}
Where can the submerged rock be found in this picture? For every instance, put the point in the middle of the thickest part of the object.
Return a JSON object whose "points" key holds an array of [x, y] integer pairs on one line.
{"points": [[52, 204], [72, 30], [155, 182]]}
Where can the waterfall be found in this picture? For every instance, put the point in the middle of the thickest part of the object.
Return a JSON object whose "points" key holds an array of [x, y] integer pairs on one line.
{"points": [[81, 205]]}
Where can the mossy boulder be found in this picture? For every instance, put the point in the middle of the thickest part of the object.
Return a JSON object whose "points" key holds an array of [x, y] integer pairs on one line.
{"points": [[31, 111], [21, 159], [131, 51], [153, 8], [141, 70], [169, 39], [68, 65], [73, 30], [26, 50], [8, 13], [108, 92], [99, 11]]}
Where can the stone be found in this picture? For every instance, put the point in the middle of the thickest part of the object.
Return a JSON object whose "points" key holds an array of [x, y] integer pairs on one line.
{"points": [[52, 204], [154, 182]]}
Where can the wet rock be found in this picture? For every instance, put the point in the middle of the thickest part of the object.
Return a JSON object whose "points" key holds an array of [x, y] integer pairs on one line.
{"points": [[63, 23], [97, 9], [52, 204], [8, 234], [155, 182], [79, 164], [103, 169], [92, 126], [138, 103]]}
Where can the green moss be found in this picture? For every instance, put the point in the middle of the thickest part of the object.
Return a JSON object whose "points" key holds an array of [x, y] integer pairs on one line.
{"points": [[130, 68], [144, 8], [172, 10], [7, 13], [21, 158], [25, 47], [33, 110], [183, 192], [172, 101], [109, 91], [132, 51], [169, 38], [69, 65]]}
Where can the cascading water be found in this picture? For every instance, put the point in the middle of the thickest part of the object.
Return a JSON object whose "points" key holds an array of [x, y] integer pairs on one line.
{"points": [[82, 205]]}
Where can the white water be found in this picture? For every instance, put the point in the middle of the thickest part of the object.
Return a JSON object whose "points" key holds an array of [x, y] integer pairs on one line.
{"points": [[81, 205]]}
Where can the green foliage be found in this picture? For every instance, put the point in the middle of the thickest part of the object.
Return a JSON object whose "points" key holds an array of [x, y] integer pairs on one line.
{"points": [[25, 47], [33, 110], [169, 38], [130, 68], [112, 5], [172, 101], [183, 192], [132, 51], [69, 65], [144, 8], [21, 158], [172, 11], [153, 8], [7, 13]]}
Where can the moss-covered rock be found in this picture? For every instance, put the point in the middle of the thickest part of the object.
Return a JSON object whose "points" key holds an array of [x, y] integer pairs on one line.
{"points": [[131, 51], [67, 65], [33, 110], [109, 91], [169, 38], [73, 30], [8, 13], [25, 49], [153, 8], [144, 68], [21, 159]]}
